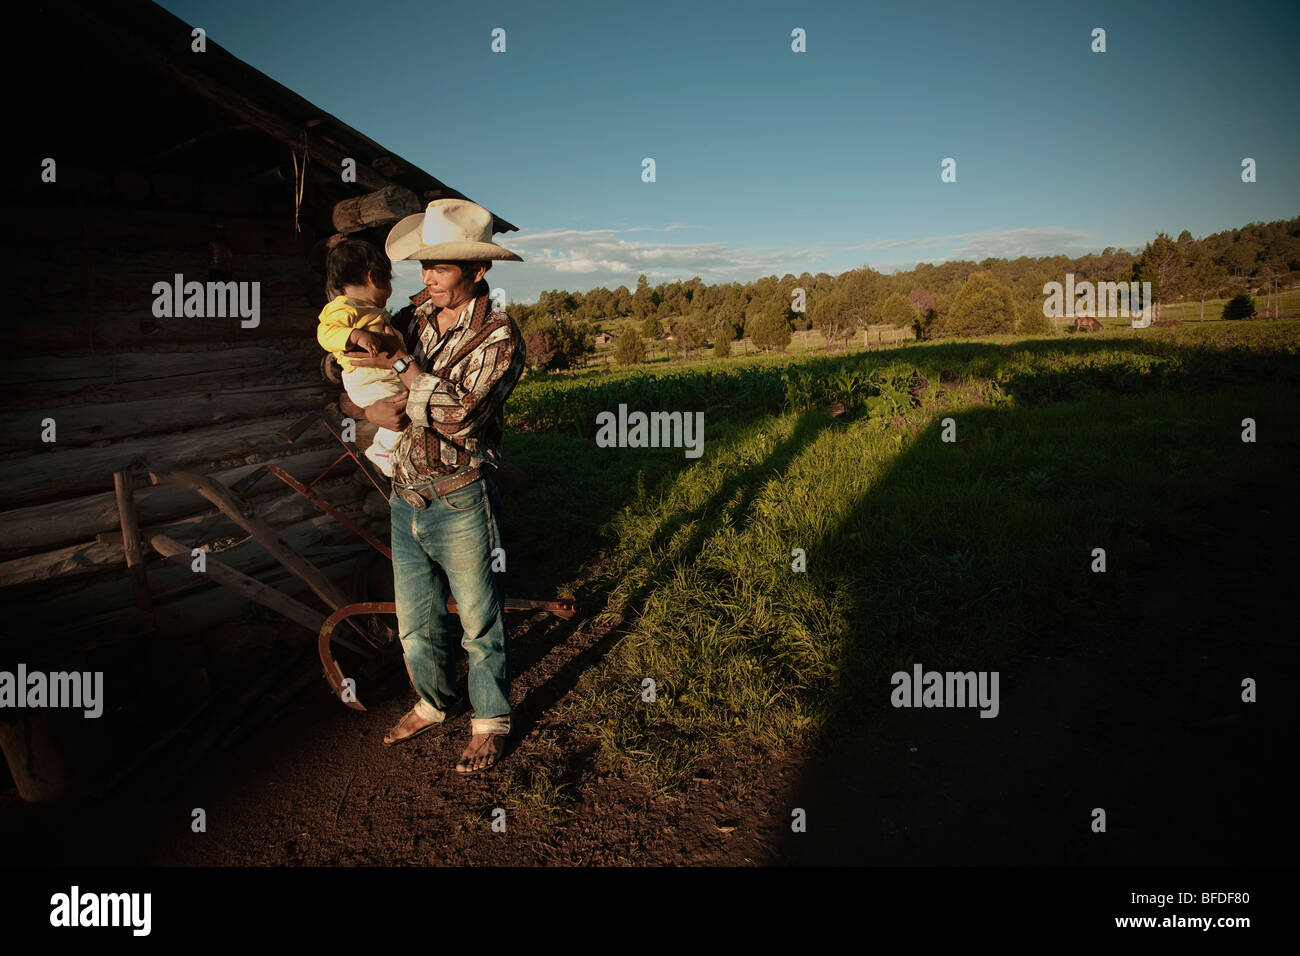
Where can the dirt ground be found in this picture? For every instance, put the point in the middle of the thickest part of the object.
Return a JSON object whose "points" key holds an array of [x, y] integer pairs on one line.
{"points": [[1145, 721]]}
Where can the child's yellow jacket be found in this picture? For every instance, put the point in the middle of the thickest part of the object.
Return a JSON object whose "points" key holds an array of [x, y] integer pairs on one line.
{"points": [[340, 316]]}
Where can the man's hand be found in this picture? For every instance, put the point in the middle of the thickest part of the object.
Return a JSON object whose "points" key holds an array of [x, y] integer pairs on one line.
{"points": [[390, 341], [379, 360], [389, 413]]}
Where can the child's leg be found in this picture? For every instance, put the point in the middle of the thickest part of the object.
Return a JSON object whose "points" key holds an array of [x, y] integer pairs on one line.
{"points": [[365, 386], [380, 451]]}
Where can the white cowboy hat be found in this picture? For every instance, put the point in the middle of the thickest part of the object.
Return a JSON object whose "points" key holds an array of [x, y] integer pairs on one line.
{"points": [[454, 230]]}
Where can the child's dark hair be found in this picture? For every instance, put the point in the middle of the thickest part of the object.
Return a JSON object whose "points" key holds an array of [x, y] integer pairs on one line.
{"points": [[351, 262]]}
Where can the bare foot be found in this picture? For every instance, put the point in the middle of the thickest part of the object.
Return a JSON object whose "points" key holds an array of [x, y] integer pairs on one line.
{"points": [[409, 726], [483, 751]]}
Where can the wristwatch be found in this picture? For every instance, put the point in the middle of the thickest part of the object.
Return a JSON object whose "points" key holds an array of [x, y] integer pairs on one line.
{"points": [[401, 365]]}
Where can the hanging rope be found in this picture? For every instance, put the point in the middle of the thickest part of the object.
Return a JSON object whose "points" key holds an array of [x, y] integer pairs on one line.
{"points": [[299, 180]]}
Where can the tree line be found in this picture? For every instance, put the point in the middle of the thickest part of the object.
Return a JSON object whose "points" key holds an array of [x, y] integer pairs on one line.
{"points": [[959, 298]]}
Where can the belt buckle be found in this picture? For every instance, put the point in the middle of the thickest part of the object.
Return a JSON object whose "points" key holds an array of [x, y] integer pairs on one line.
{"points": [[413, 498]]}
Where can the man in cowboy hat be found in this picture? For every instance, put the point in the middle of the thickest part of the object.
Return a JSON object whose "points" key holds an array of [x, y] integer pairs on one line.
{"points": [[461, 359]]}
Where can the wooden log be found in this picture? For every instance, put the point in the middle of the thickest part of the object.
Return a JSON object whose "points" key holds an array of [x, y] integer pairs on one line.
{"points": [[36, 761], [56, 329], [200, 610], [61, 473], [118, 230], [382, 206], [81, 425], [71, 607], [104, 551], [275, 293], [131, 544], [171, 365], [251, 557], [243, 585], [277, 547], [47, 526], [28, 397]]}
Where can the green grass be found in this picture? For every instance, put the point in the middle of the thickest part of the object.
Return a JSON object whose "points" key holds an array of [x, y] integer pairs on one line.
{"points": [[1191, 311], [956, 555], [744, 388]]}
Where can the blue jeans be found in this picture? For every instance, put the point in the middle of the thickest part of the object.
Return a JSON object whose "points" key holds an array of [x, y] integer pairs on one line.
{"points": [[444, 550]]}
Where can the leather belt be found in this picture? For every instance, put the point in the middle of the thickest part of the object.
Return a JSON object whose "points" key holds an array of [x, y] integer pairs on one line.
{"points": [[419, 495]]}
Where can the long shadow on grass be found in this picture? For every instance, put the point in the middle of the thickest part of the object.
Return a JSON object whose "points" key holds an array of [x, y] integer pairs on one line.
{"points": [[545, 636], [1117, 691], [945, 785]]}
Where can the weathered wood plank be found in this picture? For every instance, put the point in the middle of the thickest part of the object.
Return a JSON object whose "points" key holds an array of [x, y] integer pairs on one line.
{"points": [[54, 472], [59, 523], [202, 610], [233, 507], [199, 530], [80, 425], [261, 380], [56, 329], [73, 370], [167, 582], [118, 229], [132, 546], [246, 587]]}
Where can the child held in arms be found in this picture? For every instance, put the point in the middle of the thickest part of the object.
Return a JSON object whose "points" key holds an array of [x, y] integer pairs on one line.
{"points": [[358, 277]]}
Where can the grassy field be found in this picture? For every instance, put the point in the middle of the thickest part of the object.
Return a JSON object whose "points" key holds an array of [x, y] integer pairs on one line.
{"points": [[1191, 311], [961, 554]]}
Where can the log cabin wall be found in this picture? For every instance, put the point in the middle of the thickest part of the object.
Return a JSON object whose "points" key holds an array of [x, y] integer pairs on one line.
{"points": [[168, 161]]}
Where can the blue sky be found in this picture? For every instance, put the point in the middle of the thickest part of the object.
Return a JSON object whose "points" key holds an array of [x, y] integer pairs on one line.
{"points": [[773, 162]]}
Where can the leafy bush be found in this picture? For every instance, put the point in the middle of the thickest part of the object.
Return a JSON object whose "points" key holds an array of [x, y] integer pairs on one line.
{"points": [[897, 311], [557, 341], [1240, 307], [893, 388], [767, 326], [983, 306], [629, 349]]}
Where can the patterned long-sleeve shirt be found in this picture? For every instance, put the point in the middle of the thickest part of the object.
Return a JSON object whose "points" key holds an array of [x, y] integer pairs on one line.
{"points": [[456, 405]]}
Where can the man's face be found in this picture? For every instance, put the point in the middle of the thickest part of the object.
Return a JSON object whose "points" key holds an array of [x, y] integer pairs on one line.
{"points": [[446, 282]]}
